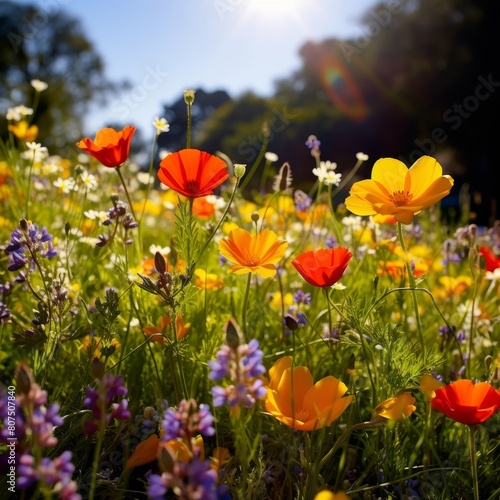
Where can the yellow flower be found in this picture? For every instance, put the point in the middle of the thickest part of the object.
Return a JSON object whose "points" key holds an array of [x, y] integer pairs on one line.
{"points": [[277, 301], [253, 254], [300, 404], [394, 408], [208, 281], [429, 384], [23, 131], [92, 346], [330, 495], [396, 190]]}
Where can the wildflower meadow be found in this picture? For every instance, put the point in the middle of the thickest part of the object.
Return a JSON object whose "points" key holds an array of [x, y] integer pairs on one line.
{"points": [[177, 333]]}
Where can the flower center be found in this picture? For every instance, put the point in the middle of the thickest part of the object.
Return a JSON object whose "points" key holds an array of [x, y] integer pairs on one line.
{"points": [[253, 260], [400, 198], [303, 414], [192, 186]]}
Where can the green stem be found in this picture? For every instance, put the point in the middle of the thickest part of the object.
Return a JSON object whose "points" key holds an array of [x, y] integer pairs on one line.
{"points": [[473, 463], [150, 172], [330, 324], [245, 305], [189, 120], [100, 439], [413, 285], [262, 152], [221, 220], [122, 180]]}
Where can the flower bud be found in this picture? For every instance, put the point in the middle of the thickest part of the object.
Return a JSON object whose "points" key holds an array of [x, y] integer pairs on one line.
{"points": [[189, 96], [239, 170]]}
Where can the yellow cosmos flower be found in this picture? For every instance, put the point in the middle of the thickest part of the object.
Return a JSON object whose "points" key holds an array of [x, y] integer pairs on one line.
{"points": [[301, 404], [208, 281], [23, 131], [398, 191], [429, 384], [394, 408], [330, 495], [253, 254]]}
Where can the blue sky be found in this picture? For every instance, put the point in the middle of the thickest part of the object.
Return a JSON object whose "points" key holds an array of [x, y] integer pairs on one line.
{"points": [[165, 46]]}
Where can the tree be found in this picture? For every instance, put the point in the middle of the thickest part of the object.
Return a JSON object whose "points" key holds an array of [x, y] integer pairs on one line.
{"points": [[47, 44]]}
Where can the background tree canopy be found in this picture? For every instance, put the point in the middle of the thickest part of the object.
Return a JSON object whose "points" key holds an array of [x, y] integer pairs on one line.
{"points": [[49, 45], [422, 78]]}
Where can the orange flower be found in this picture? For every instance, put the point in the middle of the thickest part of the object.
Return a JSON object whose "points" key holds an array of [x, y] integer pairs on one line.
{"points": [[299, 403], [156, 333], [109, 147], [396, 190], [394, 408], [466, 402], [203, 208], [181, 328], [23, 131], [253, 254], [324, 267], [146, 451], [192, 173]]}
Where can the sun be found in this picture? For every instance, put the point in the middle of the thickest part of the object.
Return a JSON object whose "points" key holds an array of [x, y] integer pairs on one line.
{"points": [[276, 12]]}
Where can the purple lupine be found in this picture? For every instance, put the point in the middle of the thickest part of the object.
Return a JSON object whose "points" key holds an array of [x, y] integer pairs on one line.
{"points": [[118, 213], [25, 243], [242, 364], [54, 473], [299, 297], [194, 479], [109, 388], [187, 421]]}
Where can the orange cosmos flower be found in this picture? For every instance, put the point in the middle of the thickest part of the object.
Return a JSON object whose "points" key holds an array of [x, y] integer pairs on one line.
{"points": [[398, 191], [192, 173], [109, 147], [300, 404], [466, 402], [323, 267], [394, 408], [253, 254]]}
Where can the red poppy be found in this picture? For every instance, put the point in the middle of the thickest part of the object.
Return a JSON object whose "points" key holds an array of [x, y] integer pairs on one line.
{"points": [[110, 147], [192, 173], [322, 267], [466, 402], [492, 261]]}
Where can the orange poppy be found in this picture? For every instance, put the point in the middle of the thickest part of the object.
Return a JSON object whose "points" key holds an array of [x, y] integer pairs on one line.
{"points": [[324, 267], [253, 254], [293, 398], [192, 173], [466, 402], [491, 260], [110, 147]]}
